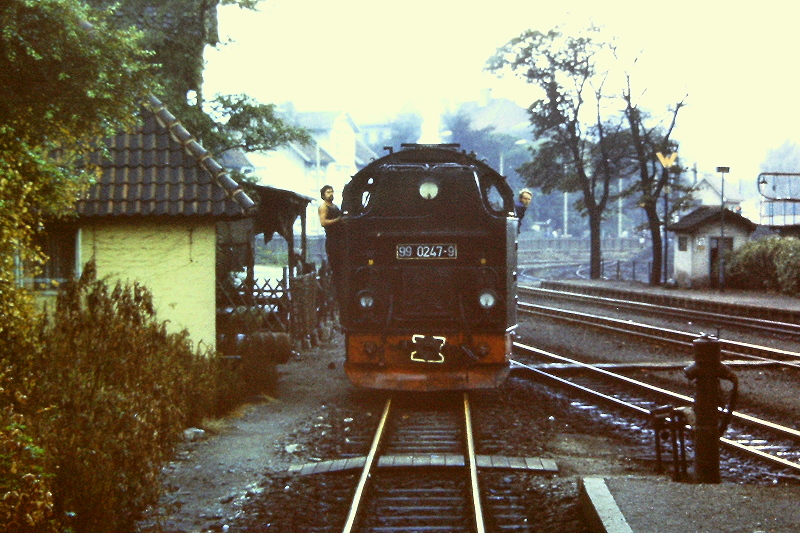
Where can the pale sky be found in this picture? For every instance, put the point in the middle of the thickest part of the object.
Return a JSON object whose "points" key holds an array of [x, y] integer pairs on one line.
{"points": [[737, 65]]}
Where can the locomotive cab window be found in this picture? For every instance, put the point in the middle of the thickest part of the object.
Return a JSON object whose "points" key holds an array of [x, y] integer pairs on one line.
{"points": [[497, 196], [495, 199]]}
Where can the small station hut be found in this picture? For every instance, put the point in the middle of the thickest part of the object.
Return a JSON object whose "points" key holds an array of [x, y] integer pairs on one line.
{"points": [[700, 236]]}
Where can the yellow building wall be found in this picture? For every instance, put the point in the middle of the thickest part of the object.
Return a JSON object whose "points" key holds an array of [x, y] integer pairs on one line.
{"points": [[174, 260]]}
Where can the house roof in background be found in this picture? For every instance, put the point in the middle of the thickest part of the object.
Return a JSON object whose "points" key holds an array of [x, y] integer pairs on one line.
{"points": [[501, 115], [309, 152], [323, 120], [234, 159], [161, 170], [709, 214]]}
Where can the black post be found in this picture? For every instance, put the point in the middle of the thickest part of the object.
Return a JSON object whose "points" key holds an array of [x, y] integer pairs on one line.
{"points": [[705, 371]]}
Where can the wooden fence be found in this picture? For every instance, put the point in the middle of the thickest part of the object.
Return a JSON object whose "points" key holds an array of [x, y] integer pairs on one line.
{"points": [[299, 307]]}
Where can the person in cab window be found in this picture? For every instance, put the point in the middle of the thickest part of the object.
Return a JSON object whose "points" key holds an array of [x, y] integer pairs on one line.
{"points": [[521, 205]]}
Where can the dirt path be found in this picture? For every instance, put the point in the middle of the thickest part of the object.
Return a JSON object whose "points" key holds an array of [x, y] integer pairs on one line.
{"points": [[211, 478]]}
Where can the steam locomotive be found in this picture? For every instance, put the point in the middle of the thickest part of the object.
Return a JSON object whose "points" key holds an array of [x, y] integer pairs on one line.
{"points": [[427, 285]]}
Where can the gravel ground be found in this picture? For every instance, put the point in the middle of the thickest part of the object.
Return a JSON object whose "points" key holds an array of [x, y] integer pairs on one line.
{"points": [[236, 479]]}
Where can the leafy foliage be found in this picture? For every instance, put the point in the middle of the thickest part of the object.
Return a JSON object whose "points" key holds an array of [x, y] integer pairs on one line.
{"points": [[577, 147], [176, 32], [753, 265], [112, 392], [68, 79], [26, 500], [771, 264], [249, 125], [67, 75], [787, 265], [92, 403], [91, 400], [583, 147]]}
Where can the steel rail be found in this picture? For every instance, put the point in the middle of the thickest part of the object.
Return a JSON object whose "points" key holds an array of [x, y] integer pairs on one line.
{"points": [[473, 468], [779, 461], [365, 473], [731, 320], [736, 415], [687, 400], [587, 390], [682, 338]]}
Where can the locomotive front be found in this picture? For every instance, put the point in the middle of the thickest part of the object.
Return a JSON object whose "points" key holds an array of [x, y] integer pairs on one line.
{"points": [[428, 282]]}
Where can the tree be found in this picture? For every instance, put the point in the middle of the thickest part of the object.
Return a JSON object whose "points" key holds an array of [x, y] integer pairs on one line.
{"points": [[68, 80], [574, 152], [500, 150], [785, 158], [406, 128], [177, 32], [654, 180]]}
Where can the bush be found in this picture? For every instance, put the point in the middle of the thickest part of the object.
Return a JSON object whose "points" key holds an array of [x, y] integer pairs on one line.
{"points": [[113, 393], [752, 267], [787, 264], [93, 401], [767, 264], [113, 390], [26, 500]]}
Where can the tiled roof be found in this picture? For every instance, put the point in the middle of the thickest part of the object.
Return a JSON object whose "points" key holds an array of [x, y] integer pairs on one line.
{"points": [[707, 214], [161, 170]]}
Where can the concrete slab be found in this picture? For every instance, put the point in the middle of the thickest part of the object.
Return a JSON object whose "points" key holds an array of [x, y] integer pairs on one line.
{"points": [[656, 505]]}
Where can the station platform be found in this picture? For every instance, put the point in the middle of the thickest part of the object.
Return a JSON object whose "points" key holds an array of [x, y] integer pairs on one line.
{"points": [[656, 505]]}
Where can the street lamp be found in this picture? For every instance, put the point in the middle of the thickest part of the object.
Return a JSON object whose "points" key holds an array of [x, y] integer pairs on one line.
{"points": [[667, 190], [666, 162], [619, 209], [721, 245]]}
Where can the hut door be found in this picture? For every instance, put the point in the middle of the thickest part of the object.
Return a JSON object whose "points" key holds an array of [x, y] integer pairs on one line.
{"points": [[714, 258]]}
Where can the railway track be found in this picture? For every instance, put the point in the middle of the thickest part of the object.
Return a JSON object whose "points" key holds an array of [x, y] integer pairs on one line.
{"points": [[756, 438], [730, 349], [713, 318], [421, 474]]}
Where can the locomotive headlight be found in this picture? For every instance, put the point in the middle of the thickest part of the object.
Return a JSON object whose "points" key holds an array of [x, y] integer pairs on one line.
{"points": [[428, 189], [366, 300], [487, 299]]}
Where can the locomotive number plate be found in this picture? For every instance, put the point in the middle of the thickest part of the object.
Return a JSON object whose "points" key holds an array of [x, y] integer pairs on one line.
{"points": [[427, 251]]}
